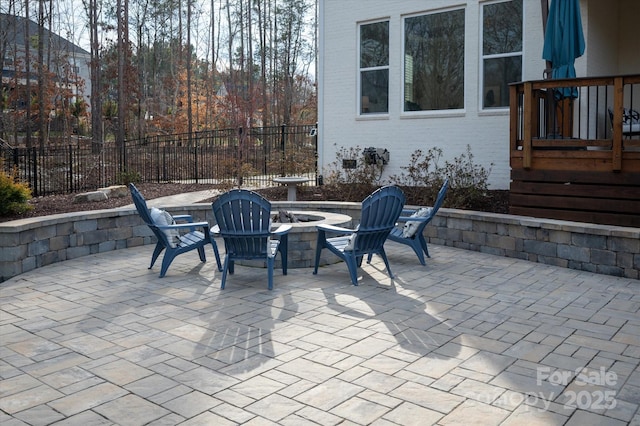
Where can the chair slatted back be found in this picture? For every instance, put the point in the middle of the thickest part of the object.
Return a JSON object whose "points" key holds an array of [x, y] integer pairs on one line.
{"points": [[380, 211], [145, 214], [141, 204], [440, 197], [244, 220]]}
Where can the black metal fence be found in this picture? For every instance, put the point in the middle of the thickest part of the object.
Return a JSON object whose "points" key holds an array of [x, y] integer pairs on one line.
{"points": [[237, 156]]}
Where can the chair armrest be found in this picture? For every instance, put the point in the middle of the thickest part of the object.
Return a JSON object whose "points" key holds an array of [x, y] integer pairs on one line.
{"points": [[414, 218], [282, 229], [190, 225], [335, 229], [186, 217]]}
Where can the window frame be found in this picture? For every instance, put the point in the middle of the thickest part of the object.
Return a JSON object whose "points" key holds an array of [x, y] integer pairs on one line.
{"points": [[360, 69], [447, 112], [483, 57]]}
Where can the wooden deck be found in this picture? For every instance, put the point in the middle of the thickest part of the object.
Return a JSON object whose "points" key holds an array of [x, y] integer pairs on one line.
{"points": [[570, 159]]}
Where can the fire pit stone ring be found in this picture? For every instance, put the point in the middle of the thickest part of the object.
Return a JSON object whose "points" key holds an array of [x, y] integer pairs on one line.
{"points": [[303, 238]]}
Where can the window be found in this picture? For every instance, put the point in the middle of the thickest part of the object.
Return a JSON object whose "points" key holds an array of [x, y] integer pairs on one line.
{"points": [[434, 61], [374, 68], [501, 51]]}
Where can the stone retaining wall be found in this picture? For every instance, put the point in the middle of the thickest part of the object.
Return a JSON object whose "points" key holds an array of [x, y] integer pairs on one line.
{"points": [[31, 243]]}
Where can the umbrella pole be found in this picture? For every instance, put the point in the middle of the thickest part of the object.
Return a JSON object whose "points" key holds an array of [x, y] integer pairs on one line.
{"points": [[550, 102]]}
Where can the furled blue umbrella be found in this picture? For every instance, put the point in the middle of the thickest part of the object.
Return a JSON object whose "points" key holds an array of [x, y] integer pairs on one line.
{"points": [[563, 42]]}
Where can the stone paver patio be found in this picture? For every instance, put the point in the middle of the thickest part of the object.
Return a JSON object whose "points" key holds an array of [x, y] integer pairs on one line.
{"points": [[469, 339]]}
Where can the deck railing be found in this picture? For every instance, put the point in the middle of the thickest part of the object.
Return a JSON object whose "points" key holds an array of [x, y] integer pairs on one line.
{"points": [[575, 157], [591, 121]]}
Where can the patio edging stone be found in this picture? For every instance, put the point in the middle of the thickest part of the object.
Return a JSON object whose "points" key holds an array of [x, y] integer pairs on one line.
{"points": [[31, 243]]}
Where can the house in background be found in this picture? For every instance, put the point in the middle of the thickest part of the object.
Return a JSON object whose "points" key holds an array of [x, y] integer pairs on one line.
{"points": [[69, 62], [415, 74]]}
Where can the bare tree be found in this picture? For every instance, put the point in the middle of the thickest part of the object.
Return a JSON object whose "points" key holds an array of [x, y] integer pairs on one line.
{"points": [[188, 66], [122, 18], [92, 9], [27, 65], [42, 70], [258, 50]]}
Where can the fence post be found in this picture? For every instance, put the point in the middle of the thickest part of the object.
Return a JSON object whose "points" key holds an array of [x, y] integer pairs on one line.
{"points": [[164, 163], [195, 155], [34, 171], [319, 179], [282, 146], [239, 163], [70, 174]]}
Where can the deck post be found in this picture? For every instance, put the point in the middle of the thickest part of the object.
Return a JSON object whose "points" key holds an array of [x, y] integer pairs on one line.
{"points": [[513, 117], [528, 111], [616, 148]]}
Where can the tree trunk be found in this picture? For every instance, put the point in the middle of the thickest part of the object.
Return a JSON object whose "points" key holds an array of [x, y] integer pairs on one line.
{"points": [[121, 5], [96, 96], [27, 65], [42, 70]]}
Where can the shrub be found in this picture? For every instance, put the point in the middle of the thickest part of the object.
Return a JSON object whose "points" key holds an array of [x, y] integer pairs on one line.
{"points": [[353, 181], [14, 195], [424, 176], [361, 172], [125, 178], [468, 181], [422, 170], [420, 180], [294, 163]]}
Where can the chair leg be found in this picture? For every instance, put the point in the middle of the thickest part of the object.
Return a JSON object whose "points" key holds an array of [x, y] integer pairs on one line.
{"points": [[386, 262], [203, 257], [166, 261], [270, 264], [417, 248], [156, 253], [225, 268], [216, 253], [283, 248], [319, 247], [423, 243], [353, 268]]}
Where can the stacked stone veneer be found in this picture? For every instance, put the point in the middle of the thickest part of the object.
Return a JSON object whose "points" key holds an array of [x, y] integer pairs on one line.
{"points": [[31, 243], [603, 249]]}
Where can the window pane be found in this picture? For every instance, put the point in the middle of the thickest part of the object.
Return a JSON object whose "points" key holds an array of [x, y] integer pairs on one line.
{"points": [[502, 28], [434, 61], [375, 91], [374, 45], [498, 73]]}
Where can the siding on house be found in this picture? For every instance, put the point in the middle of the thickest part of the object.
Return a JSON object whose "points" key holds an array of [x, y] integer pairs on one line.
{"points": [[486, 132], [13, 33]]}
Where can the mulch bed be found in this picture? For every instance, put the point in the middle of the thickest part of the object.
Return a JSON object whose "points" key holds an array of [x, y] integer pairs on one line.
{"points": [[494, 201]]}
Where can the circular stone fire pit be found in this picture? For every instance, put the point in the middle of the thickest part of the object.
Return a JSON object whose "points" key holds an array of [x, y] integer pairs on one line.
{"points": [[303, 237]]}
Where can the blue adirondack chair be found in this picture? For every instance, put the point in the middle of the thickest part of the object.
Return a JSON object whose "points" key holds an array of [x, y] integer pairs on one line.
{"points": [[244, 222], [380, 211], [174, 239], [411, 233]]}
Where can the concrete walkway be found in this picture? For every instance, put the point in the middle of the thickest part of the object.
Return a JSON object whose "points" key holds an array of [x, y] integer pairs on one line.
{"points": [[183, 199], [469, 339]]}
